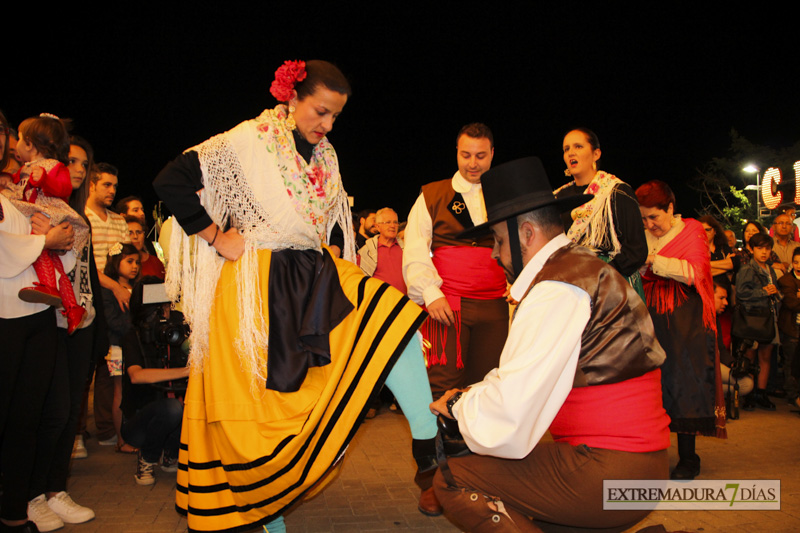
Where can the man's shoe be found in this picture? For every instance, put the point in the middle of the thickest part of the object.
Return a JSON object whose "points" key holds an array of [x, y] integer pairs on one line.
{"points": [[79, 448], [687, 469], [763, 402], [42, 515], [429, 503], [69, 511], [145, 472]]}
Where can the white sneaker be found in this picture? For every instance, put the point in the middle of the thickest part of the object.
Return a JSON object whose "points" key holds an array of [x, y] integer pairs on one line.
{"points": [[69, 511], [79, 448], [40, 514], [144, 471]]}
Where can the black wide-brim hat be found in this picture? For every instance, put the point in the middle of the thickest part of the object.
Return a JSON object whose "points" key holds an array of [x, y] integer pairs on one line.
{"points": [[517, 187]]}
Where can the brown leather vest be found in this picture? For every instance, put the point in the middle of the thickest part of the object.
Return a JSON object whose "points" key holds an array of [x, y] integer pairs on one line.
{"points": [[439, 196], [618, 342]]}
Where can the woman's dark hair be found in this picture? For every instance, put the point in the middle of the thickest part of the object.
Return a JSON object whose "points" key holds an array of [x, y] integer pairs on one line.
{"points": [[720, 240], [318, 73], [112, 263], [656, 194], [761, 240], [4, 131], [77, 200], [758, 226], [49, 135], [591, 137], [122, 205]]}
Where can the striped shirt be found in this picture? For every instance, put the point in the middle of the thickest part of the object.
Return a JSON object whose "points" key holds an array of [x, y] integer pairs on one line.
{"points": [[106, 233]]}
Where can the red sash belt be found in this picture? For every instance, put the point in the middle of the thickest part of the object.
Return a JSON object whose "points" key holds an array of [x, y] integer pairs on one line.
{"points": [[628, 416], [466, 272]]}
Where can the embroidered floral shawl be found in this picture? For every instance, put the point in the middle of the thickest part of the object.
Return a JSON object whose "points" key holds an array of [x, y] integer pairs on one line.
{"points": [[593, 222]]}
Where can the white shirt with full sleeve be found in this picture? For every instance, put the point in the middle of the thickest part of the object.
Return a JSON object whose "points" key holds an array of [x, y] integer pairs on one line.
{"points": [[421, 277], [506, 414], [18, 250]]}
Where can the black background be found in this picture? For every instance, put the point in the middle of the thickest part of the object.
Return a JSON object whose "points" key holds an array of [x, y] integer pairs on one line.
{"points": [[662, 84]]}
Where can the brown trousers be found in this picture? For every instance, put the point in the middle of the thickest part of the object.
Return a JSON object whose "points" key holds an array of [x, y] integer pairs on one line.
{"points": [[484, 329], [555, 484]]}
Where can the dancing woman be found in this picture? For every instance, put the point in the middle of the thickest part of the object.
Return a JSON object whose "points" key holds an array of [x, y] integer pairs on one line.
{"points": [[288, 342]]}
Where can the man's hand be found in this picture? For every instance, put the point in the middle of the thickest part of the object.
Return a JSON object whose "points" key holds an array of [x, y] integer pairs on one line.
{"points": [[440, 311], [122, 295], [59, 237], [439, 407]]}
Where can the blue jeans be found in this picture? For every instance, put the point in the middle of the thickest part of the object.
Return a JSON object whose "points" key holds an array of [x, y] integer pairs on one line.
{"points": [[155, 427]]}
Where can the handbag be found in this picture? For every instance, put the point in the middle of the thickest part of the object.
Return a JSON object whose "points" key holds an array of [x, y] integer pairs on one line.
{"points": [[756, 325]]}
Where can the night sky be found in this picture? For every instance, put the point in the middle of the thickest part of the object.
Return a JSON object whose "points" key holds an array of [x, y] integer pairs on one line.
{"points": [[662, 89]]}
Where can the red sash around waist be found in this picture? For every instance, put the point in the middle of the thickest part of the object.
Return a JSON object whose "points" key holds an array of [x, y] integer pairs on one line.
{"points": [[628, 416], [469, 272]]}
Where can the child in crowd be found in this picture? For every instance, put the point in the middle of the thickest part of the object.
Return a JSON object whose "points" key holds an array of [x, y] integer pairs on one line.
{"points": [[151, 264], [756, 290], [123, 265], [43, 185]]}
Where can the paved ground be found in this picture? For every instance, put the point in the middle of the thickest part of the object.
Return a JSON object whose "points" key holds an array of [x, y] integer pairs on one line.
{"points": [[375, 491]]}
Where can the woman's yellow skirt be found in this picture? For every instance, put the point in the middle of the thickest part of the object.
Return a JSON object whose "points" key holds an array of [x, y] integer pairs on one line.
{"points": [[244, 460]]}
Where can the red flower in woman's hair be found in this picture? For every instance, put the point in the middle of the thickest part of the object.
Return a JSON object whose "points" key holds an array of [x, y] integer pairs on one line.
{"points": [[286, 77]]}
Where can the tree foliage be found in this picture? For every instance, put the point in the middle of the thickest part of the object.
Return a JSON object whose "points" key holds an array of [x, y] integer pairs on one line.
{"points": [[721, 180]]}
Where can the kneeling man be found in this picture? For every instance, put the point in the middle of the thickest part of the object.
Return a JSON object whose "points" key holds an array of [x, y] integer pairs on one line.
{"points": [[581, 360]]}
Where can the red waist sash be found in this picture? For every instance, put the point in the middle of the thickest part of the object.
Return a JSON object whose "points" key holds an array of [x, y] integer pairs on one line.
{"points": [[466, 272], [469, 272], [628, 416]]}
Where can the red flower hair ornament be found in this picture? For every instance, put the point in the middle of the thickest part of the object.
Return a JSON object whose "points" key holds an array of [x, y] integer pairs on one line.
{"points": [[286, 77]]}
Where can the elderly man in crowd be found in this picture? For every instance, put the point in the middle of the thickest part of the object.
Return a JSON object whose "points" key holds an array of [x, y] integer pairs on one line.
{"points": [[382, 255], [783, 228]]}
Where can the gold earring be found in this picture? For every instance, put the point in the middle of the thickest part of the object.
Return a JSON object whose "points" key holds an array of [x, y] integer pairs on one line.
{"points": [[594, 165], [290, 123], [567, 172]]}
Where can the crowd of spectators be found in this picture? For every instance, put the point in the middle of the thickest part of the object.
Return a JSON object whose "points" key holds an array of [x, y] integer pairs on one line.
{"points": [[57, 207]]}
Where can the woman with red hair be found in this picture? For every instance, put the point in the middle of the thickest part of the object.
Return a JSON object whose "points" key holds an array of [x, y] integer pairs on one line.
{"points": [[680, 296]]}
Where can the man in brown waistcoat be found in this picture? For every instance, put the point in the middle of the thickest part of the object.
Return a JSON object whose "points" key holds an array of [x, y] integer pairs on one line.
{"points": [[457, 281], [581, 360]]}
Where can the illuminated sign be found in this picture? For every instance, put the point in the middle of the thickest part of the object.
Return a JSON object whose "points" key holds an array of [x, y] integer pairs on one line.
{"points": [[769, 183]]}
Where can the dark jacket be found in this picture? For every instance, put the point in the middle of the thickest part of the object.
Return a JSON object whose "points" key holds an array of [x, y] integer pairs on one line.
{"points": [[787, 318]]}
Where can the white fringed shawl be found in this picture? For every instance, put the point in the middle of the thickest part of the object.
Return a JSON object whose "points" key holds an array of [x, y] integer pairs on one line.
{"points": [[256, 182], [593, 222]]}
